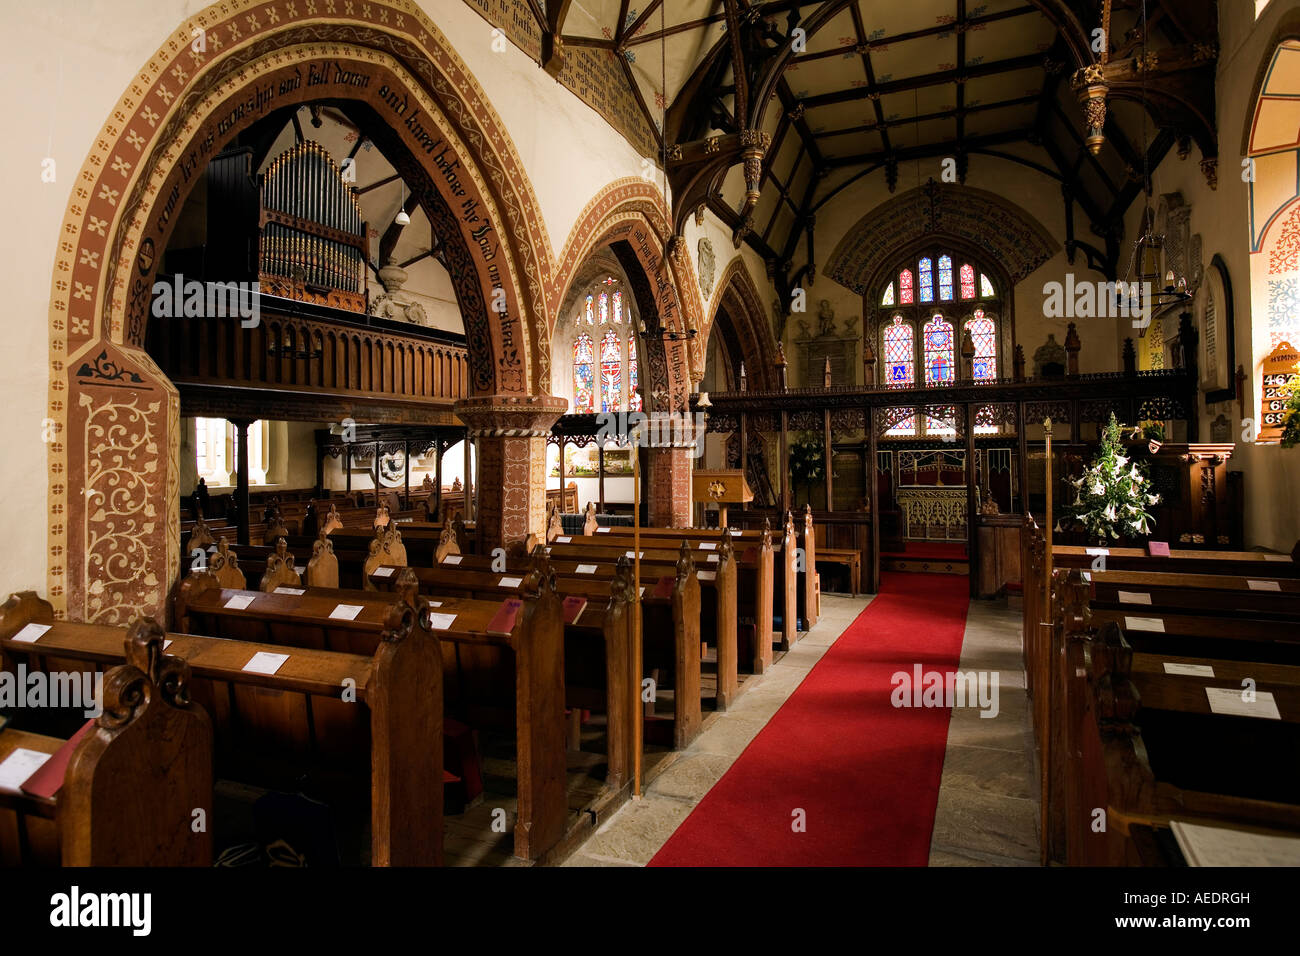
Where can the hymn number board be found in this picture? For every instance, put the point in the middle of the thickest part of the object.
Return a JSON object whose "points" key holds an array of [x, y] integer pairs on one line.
{"points": [[1280, 376]]}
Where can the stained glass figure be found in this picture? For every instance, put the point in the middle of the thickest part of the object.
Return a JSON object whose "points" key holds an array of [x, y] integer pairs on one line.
{"points": [[984, 336], [986, 287], [888, 298], [926, 280], [618, 307], [939, 367], [634, 397], [968, 281], [611, 371], [899, 356], [590, 312], [945, 278], [584, 356], [905, 287], [604, 309]]}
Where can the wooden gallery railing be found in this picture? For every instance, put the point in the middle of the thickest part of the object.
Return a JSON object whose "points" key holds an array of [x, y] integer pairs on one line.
{"points": [[350, 355]]}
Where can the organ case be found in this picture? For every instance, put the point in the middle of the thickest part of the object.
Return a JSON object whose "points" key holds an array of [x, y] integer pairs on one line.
{"points": [[313, 242]]}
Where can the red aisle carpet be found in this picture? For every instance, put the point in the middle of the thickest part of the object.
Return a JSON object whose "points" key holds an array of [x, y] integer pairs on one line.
{"points": [[865, 773], [933, 550]]}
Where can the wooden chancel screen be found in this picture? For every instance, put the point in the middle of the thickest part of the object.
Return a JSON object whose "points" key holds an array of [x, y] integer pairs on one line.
{"points": [[313, 243]]}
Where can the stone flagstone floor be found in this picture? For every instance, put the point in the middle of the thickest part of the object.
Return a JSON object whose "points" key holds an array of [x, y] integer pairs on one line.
{"points": [[987, 812]]}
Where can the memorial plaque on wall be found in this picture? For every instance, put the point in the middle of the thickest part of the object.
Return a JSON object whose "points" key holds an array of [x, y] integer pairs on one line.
{"points": [[1280, 376]]}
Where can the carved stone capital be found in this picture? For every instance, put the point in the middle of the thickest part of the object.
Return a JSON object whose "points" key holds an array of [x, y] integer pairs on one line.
{"points": [[501, 416]]}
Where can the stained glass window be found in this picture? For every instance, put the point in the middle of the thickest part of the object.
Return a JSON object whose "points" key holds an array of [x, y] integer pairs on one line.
{"points": [[604, 309], [945, 424], [937, 336], [986, 287], [634, 397], [906, 421], [590, 312], [899, 357], [584, 357], [945, 278], [611, 371], [889, 295], [905, 287], [968, 281], [618, 306], [984, 335], [926, 281]]}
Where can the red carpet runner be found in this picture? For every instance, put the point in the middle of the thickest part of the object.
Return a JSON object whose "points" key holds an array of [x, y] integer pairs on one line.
{"points": [[865, 773]]}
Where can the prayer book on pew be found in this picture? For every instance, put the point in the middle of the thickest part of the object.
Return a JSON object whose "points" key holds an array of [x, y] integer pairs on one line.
{"points": [[47, 780], [573, 608], [1158, 549], [504, 621]]}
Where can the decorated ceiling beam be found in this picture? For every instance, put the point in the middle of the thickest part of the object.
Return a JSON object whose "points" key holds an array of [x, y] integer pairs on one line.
{"points": [[552, 25]]}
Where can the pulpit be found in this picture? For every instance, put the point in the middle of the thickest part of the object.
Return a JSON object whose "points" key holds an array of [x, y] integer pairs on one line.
{"points": [[1200, 500], [722, 486]]}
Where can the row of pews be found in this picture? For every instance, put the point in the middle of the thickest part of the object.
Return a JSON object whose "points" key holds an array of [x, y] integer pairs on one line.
{"points": [[343, 670], [1166, 701]]}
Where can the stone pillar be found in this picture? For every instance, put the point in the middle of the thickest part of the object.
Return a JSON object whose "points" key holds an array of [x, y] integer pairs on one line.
{"points": [[511, 433], [671, 455]]}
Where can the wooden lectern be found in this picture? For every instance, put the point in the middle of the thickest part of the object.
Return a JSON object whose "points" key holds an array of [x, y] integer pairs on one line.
{"points": [[722, 487]]}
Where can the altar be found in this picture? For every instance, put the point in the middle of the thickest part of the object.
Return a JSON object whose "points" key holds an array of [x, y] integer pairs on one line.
{"points": [[933, 514]]}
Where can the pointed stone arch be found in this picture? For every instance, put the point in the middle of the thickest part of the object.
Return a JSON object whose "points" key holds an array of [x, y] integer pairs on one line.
{"points": [[113, 549], [739, 305]]}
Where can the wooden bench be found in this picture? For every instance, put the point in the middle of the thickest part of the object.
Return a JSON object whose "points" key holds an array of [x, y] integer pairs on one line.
{"points": [[129, 788], [508, 658], [849, 558], [268, 727]]}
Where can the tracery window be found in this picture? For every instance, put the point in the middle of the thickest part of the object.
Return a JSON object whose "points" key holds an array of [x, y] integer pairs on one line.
{"points": [[932, 300], [603, 365]]}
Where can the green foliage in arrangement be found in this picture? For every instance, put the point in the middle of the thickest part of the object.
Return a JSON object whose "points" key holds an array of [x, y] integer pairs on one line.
{"points": [[1112, 496]]}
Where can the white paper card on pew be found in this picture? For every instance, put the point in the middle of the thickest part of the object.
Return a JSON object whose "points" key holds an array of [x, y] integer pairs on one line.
{"points": [[18, 766], [708, 546], [510, 582], [435, 604], [713, 557], [264, 662], [284, 590], [563, 540], [708, 575], [451, 559], [1096, 551], [1189, 670], [1134, 597], [441, 622], [1087, 575], [1263, 585], [240, 601], [346, 612], [631, 554], [602, 531], [166, 644], [1227, 700], [585, 569], [300, 571], [383, 572], [1225, 846], [1145, 624], [31, 633]]}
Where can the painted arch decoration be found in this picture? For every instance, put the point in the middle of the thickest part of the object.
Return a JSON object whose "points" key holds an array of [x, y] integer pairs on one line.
{"points": [[113, 551], [1012, 238]]}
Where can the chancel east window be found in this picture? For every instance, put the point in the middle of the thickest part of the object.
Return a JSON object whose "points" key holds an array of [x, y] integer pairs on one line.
{"points": [[931, 302]]}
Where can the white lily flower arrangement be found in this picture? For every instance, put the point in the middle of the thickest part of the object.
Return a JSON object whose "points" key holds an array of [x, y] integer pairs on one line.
{"points": [[1113, 493]]}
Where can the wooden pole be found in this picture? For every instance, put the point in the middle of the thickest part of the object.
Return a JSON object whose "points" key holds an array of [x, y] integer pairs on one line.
{"points": [[638, 728], [873, 502], [972, 510], [1044, 643]]}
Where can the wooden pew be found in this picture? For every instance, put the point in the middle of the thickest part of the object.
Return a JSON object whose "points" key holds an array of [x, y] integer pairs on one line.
{"points": [[671, 622], [1184, 627], [753, 590], [1146, 748], [134, 780], [600, 625], [482, 645], [268, 726]]}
